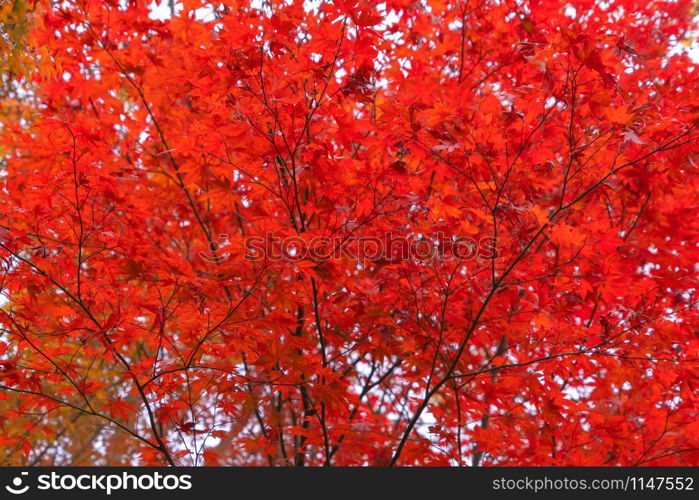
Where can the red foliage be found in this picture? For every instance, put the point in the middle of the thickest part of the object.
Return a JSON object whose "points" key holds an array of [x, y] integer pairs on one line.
{"points": [[430, 233]]}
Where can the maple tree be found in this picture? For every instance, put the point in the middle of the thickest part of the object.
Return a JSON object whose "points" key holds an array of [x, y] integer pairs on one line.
{"points": [[349, 233]]}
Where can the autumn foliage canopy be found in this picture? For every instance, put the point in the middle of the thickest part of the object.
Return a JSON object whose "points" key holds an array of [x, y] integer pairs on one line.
{"points": [[420, 232]]}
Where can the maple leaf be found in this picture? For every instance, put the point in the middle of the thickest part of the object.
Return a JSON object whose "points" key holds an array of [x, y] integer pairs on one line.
{"points": [[120, 408], [631, 136]]}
